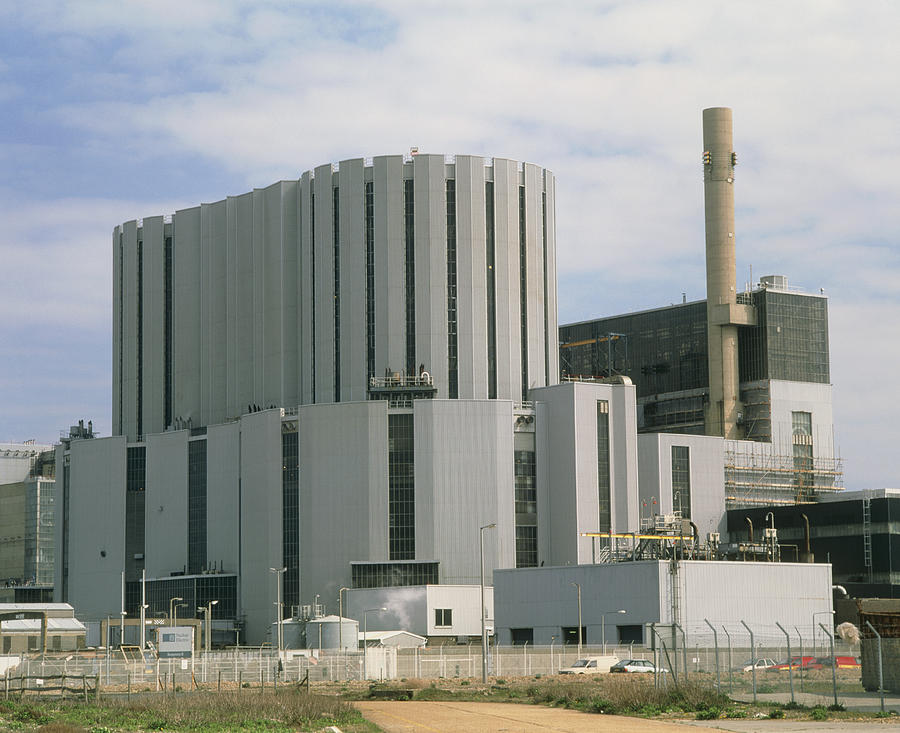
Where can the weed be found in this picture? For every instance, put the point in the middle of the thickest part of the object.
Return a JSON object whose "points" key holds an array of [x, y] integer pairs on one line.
{"points": [[776, 713], [837, 708], [818, 713], [712, 713], [735, 714]]}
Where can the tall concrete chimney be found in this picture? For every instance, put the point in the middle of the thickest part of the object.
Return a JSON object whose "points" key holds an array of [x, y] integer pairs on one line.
{"points": [[724, 315]]}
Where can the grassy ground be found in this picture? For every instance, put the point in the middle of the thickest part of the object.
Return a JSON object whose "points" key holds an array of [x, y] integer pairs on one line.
{"points": [[289, 710]]}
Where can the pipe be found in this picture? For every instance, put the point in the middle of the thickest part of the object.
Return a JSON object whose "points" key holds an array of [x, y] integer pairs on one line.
{"points": [[750, 522], [806, 532], [842, 589], [770, 518]]}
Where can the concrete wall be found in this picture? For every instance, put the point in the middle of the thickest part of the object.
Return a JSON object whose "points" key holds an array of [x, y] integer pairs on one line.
{"points": [[257, 307], [166, 504]]}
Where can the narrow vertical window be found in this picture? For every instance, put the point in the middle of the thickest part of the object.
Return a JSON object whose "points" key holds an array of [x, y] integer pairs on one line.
{"points": [[312, 287], [802, 445], [336, 243], [140, 339], [370, 279], [603, 478], [547, 339], [452, 321], [290, 517], [167, 331], [523, 292], [681, 480], [410, 237], [526, 509], [135, 483], [64, 553], [491, 294], [196, 506], [401, 488], [121, 299]]}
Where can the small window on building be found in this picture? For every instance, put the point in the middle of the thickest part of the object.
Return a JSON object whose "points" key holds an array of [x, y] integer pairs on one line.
{"points": [[443, 617], [33, 643], [7, 644], [570, 634], [520, 637]]}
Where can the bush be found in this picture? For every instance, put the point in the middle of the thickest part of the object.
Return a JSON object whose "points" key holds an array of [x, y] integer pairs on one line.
{"points": [[837, 708], [712, 713], [775, 713], [818, 713]]}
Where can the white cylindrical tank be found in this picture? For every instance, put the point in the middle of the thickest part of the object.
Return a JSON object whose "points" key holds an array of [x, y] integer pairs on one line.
{"points": [[336, 633]]}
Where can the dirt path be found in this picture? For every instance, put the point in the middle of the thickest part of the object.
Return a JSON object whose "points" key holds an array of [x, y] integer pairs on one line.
{"points": [[488, 717]]}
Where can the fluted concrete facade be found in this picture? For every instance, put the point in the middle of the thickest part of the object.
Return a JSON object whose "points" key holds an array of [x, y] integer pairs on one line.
{"points": [[279, 296]]}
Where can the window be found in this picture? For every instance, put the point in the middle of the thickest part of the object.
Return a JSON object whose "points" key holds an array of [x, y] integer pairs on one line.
{"points": [[392, 574], [523, 293], [491, 295], [401, 488], [681, 480], [452, 346], [196, 506], [526, 509], [443, 617], [135, 495], [570, 635], [312, 288], [167, 328], [410, 239], [336, 246], [290, 500], [140, 338], [521, 637], [603, 477], [370, 279]]}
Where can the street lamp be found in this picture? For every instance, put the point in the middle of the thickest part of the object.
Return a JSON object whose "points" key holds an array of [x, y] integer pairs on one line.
{"points": [[175, 617], [578, 586], [603, 625], [492, 525], [279, 572], [366, 639], [207, 609], [172, 601], [341, 619]]}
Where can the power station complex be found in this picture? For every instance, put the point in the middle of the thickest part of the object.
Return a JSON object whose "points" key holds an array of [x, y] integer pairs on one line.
{"points": [[345, 380]]}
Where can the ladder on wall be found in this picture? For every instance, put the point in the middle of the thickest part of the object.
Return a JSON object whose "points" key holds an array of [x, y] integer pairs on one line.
{"points": [[867, 535]]}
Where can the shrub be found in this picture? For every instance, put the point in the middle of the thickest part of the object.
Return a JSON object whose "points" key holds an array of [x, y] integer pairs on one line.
{"points": [[837, 708], [712, 713], [775, 713], [818, 713]]}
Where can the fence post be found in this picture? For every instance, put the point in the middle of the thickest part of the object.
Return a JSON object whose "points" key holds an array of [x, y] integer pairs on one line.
{"points": [[240, 679], [684, 650], [128, 682], [219, 685], [833, 661], [716, 644], [97, 686], [880, 677], [752, 659], [84, 688], [800, 637], [790, 659]]}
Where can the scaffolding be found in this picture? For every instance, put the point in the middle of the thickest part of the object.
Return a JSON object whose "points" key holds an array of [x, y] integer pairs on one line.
{"points": [[762, 477]]}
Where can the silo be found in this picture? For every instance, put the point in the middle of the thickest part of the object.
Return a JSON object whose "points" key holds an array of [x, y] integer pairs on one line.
{"points": [[336, 633]]}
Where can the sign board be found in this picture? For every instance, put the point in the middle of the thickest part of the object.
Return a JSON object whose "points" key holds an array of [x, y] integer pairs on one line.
{"points": [[175, 641]]}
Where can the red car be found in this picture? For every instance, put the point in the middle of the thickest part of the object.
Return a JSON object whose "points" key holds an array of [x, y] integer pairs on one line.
{"points": [[795, 663], [839, 662]]}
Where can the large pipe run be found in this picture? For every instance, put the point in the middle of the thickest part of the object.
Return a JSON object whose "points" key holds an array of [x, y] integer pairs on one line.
{"points": [[722, 413]]}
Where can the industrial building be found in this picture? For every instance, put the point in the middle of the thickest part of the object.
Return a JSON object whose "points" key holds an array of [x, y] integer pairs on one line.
{"points": [[27, 493], [351, 380]]}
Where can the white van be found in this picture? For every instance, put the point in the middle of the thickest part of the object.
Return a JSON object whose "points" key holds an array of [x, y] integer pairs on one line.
{"points": [[591, 665]]}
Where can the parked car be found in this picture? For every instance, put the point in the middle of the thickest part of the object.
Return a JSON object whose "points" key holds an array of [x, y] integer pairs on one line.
{"points": [[634, 665], [795, 663], [759, 664], [591, 665], [842, 663]]}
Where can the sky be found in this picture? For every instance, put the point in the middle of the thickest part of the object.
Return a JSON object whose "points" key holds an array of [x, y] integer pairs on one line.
{"points": [[111, 111]]}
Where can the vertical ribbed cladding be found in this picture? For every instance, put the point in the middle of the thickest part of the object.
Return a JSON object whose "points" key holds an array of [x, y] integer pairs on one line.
{"points": [[718, 185]]}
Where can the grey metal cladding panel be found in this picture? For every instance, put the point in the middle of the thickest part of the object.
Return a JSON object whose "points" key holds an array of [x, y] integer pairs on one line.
{"points": [[551, 293], [217, 314], [431, 267], [154, 319], [204, 287], [340, 490], [353, 279], [116, 343], [231, 301], [306, 276], [186, 314], [324, 245], [166, 503], [506, 258], [535, 275], [96, 525], [258, 246], [464, 470], [471, 269], [290, 295], [244, 341], [272, 296], [390, 264], [129, 330], [223, 496]]}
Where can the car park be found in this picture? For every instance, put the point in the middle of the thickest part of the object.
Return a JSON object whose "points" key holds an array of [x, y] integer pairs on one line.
{"points": [[590, 665], [634, 666], [760, 664]]}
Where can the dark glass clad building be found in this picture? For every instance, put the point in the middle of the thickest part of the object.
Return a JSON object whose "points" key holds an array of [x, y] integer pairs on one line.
{"points": [[664, 352]]}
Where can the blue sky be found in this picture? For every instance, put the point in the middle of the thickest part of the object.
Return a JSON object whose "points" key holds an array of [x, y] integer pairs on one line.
{"points": [[116, 110]]}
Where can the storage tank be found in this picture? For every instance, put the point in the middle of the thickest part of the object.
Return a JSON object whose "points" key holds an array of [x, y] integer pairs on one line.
{"points": [[336, 633]]}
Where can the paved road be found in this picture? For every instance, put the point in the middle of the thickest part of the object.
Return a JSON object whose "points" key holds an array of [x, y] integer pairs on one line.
{"points": [[487, 717], [491, 717]]}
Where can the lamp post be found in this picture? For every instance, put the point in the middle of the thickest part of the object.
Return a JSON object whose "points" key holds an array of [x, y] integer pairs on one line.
{"points": [[171, 602], [341, 619], [177, 606], [492, 525], [207, 609], [578, 586], [366, 639], [603, 624], [279, 572], [815, 635]]}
